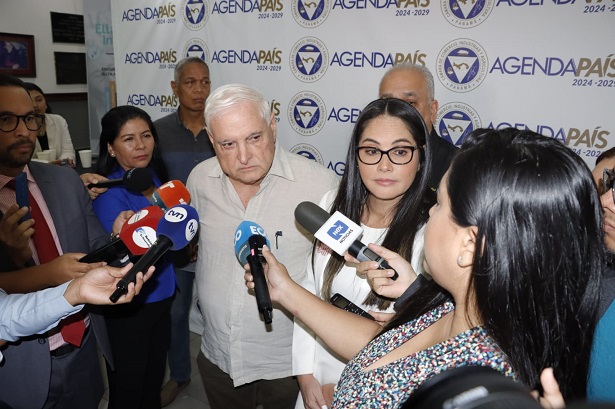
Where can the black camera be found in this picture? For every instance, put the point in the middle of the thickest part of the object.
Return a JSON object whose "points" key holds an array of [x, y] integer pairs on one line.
{"points": [[478, 387]]}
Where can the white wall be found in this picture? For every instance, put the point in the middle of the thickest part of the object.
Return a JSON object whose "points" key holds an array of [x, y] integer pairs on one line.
{"points": [[32, 17]]}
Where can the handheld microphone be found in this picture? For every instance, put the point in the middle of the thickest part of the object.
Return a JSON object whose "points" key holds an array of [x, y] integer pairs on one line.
{"points": [[249, 241], [175, 230], [338, 232], [139, 232], [135, 180], [170, 194], [136, 236]]}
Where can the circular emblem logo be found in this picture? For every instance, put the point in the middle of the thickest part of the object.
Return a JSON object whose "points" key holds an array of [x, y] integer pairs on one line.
{"points": [[144, 237], [308, 151], [465, 13], [138, 216], [194, 13], [191, 228], [175, 214], [462, 65], [307, 113], [311, 13], [195, 47], [455, 121], [309, 59], [94, 52]]}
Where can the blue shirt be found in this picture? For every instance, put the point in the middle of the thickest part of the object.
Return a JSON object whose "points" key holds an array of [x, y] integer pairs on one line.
{"points": [[601, 383], [22, 315], [117, 199]]}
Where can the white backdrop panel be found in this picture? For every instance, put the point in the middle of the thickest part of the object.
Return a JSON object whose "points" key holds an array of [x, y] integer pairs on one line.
{"points": [[545, 65]]}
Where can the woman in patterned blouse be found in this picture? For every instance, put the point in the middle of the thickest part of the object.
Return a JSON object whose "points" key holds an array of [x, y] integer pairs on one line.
{"points": [[515, 251]]}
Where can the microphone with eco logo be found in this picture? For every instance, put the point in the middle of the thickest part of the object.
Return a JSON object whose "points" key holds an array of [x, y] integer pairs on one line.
{"points": [[249, 241]]}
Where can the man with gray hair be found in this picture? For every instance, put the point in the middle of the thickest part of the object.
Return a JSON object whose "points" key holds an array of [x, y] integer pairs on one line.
{"points": [[243, 361], [183, 145], [414, 84]]}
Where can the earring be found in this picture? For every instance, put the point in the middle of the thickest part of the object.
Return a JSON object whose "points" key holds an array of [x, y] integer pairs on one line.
{"points": [[459, 260], [112, 155]]}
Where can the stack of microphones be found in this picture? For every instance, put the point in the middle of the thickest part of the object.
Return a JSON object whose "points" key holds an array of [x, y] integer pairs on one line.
{"points": [[168, 224], [336, 231]]}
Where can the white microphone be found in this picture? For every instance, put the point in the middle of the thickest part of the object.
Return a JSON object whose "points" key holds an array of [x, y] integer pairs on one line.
{"points": [[338, 232]]}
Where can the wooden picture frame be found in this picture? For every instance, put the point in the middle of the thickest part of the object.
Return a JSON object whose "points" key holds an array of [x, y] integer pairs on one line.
{"points": [[17, 55]]}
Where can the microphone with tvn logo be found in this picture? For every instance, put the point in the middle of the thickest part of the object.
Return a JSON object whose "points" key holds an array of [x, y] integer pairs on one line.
{"points": [[249, 241], [170, 194], [338, 232], [175, 230]]}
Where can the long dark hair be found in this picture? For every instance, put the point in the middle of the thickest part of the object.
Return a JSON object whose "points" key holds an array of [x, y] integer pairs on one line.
{"points": [[536, 272], [411, 212], [30, 86], [112, 122]]}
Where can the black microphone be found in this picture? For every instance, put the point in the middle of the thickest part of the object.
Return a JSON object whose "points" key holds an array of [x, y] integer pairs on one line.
{"points": [[175, 230], [135, 180], [108, 253], [339, 233], [250, 250]]}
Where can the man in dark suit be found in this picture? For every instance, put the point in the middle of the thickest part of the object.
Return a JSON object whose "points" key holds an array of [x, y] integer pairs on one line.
{"points": [[414, 84], [45, 371]]}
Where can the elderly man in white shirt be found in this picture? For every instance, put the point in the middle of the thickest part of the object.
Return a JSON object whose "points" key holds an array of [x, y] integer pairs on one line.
{"points": [[244, 362]]}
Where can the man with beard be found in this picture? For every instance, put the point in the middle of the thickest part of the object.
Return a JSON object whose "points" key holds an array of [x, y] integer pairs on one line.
{"points": [[57, 369]]}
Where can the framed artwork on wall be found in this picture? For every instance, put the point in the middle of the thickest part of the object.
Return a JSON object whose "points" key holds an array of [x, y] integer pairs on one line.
{"points": [[17, 55]]}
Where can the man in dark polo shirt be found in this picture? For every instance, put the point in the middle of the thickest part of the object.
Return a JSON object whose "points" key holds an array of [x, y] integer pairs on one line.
{"points": [[184, 144], [414, 84]]}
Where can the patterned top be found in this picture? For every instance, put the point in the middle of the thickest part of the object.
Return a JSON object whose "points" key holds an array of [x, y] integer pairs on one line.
{"points": [[390, 385]]}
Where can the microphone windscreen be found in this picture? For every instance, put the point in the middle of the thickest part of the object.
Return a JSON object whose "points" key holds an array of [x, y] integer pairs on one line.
{"points": [[139, 232], [180, 224], [311, 216], [244, 231], [170, 194], [138, 179]]}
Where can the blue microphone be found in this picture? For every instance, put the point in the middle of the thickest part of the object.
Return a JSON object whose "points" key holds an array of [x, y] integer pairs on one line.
{"points": [[175, 230], [249, 241]]}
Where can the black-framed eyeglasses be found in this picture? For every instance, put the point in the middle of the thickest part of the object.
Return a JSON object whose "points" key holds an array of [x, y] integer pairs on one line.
{"points": [[399, 155], [608, 178], [9, 122]]}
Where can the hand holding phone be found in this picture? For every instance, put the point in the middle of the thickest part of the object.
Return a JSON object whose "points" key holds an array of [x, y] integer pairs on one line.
{"points": [[345, 304], [22, 194]]}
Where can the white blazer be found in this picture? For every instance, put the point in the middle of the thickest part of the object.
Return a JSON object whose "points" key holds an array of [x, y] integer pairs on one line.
{"points": [[59, 138]]}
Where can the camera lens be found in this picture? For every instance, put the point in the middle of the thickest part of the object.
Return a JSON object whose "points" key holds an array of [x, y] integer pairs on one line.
{"points": [[471, 387]]}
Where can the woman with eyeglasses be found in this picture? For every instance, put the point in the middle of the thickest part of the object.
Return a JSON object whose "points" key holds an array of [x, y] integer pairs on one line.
{"points": [[516, 265], [384, 189]]}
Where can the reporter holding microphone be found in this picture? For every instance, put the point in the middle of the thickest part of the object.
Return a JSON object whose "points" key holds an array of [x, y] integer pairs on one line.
{"points": [[139, 332], [496, 202]]}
